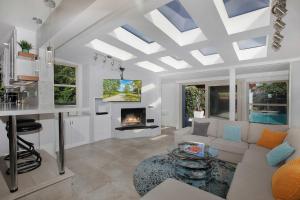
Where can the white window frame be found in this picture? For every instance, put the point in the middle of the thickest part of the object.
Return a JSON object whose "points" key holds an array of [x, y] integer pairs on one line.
{"points": [[265, 104], [71, 86]]}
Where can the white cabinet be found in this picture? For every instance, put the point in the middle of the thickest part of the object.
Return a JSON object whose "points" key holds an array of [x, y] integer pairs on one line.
{"points": [[77, 131], [102, 127]]}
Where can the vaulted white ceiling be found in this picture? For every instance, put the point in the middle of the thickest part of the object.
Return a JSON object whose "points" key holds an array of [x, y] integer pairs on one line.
{"points": [[214, 31]]}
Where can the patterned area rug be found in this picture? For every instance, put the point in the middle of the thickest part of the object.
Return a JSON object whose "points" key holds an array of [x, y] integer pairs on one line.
{"points": [[153, 171]]}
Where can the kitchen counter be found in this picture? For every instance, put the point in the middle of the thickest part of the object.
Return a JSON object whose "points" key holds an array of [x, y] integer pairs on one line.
{"points": [[12, 111], [8, 110]]}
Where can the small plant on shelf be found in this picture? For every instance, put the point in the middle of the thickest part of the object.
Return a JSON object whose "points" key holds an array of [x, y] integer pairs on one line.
{"points": [[26, 46]]}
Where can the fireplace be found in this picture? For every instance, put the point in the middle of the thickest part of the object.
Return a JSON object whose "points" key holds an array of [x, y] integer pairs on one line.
{"points": [[131, 117]]}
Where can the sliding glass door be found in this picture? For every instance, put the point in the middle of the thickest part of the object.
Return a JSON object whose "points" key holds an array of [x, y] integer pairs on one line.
{"points": [[219, 101], [268, 102], [193, 103]]}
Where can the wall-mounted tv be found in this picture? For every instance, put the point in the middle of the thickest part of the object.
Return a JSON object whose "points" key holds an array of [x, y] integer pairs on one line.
{"points": [[116, 90]]}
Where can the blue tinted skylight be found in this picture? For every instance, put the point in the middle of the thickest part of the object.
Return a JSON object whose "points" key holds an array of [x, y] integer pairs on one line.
{"points": [[207, 51], [178, 16], [239, 7], [137, 33], [252, 43]]}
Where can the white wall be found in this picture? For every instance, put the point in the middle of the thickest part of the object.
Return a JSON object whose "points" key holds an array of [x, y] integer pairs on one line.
{"points": [[151, 93], [295, 94], [170, 104]]}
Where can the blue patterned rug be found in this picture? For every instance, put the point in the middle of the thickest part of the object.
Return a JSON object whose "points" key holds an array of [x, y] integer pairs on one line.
{"points": [[153, 171]]}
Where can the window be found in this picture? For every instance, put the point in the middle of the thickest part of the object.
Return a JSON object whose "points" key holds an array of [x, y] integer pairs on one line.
{"points": [[268, 102], [64, 84], [219, 101]]}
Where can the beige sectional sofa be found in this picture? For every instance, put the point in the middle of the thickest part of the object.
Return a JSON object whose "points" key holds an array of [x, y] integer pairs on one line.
{"points": [[253, 176]]}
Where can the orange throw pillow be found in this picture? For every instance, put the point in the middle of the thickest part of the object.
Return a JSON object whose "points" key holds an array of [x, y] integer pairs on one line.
{"points": [[271, 139], [286, 181]]}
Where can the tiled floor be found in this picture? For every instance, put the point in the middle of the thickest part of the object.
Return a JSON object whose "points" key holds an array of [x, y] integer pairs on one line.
{"points": [[104, 170]]}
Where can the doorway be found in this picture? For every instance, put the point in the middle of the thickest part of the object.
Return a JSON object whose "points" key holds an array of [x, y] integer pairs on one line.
{"points": [[193, 103]]}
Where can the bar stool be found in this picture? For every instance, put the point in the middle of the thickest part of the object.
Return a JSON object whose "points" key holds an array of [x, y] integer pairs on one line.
{"points": [[28, 158]]}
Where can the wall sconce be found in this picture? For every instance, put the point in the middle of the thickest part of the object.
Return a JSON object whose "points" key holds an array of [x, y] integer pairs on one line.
{"points": [[50, 55]]}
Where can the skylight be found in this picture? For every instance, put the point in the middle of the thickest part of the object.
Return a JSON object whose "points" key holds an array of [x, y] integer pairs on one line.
{"points": [[251, 49], [243, 15], [150, 66], [252, 43], [136, 39], [212, 59], [239, 7], [137, 33], [108, 49], [174, 20], [178, 16], [207, 51], [174, 62]]}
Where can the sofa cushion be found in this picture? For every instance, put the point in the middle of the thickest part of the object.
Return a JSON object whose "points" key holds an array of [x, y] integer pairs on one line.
{"points": [[212, 128], [251, 183], [256, 157], [286, 181], [279, 154], [255, 131], [243, 124], [293, 138], [174, 190], [271, 139], [229, 146], [200, 128], [195, 138]]}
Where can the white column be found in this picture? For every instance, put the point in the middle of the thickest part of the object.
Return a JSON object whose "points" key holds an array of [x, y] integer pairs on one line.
{"points": [[294, 95], [232, 83]]}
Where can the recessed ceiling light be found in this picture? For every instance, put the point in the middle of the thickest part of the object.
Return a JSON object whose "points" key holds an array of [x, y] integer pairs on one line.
{"points": [[150, 66], [136, 39], [174, 62], [109, 49], [207, 60]]}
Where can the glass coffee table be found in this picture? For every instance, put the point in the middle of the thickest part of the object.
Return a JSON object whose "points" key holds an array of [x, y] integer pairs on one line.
{"points": [[193, 169]]}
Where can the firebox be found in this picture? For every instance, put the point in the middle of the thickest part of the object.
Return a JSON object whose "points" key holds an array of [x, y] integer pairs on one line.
{"points": [[133, 117]]}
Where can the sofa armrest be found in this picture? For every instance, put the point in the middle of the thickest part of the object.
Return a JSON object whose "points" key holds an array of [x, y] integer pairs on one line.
{"points": [[172, 189], [184, 131]]}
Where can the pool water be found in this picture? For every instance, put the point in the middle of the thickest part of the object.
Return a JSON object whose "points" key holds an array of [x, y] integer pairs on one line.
{"points": [[268, 118]]}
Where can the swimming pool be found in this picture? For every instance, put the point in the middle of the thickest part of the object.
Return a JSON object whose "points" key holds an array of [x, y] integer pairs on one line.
{"points": [[268, 118]]}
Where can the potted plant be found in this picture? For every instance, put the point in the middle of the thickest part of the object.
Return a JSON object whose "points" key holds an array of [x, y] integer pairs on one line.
{"points": [[26, 46]]}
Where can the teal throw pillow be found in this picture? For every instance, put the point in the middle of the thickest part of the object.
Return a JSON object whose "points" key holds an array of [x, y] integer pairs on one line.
{"points": [[232, 133], [279, 154]]}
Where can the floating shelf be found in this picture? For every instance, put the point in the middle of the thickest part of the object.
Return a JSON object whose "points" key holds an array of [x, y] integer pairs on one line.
{"points": [[28, 78], [30, 56]]}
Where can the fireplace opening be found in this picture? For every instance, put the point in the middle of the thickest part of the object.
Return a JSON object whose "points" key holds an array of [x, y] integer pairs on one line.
{"points": [[133, 117]]}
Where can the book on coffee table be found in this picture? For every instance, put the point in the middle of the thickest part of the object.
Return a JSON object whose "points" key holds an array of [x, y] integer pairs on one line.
{"points": [[197, 149]]}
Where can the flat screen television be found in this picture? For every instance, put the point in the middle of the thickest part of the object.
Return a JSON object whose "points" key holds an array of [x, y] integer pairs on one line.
{"points": [[116, 90]]}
